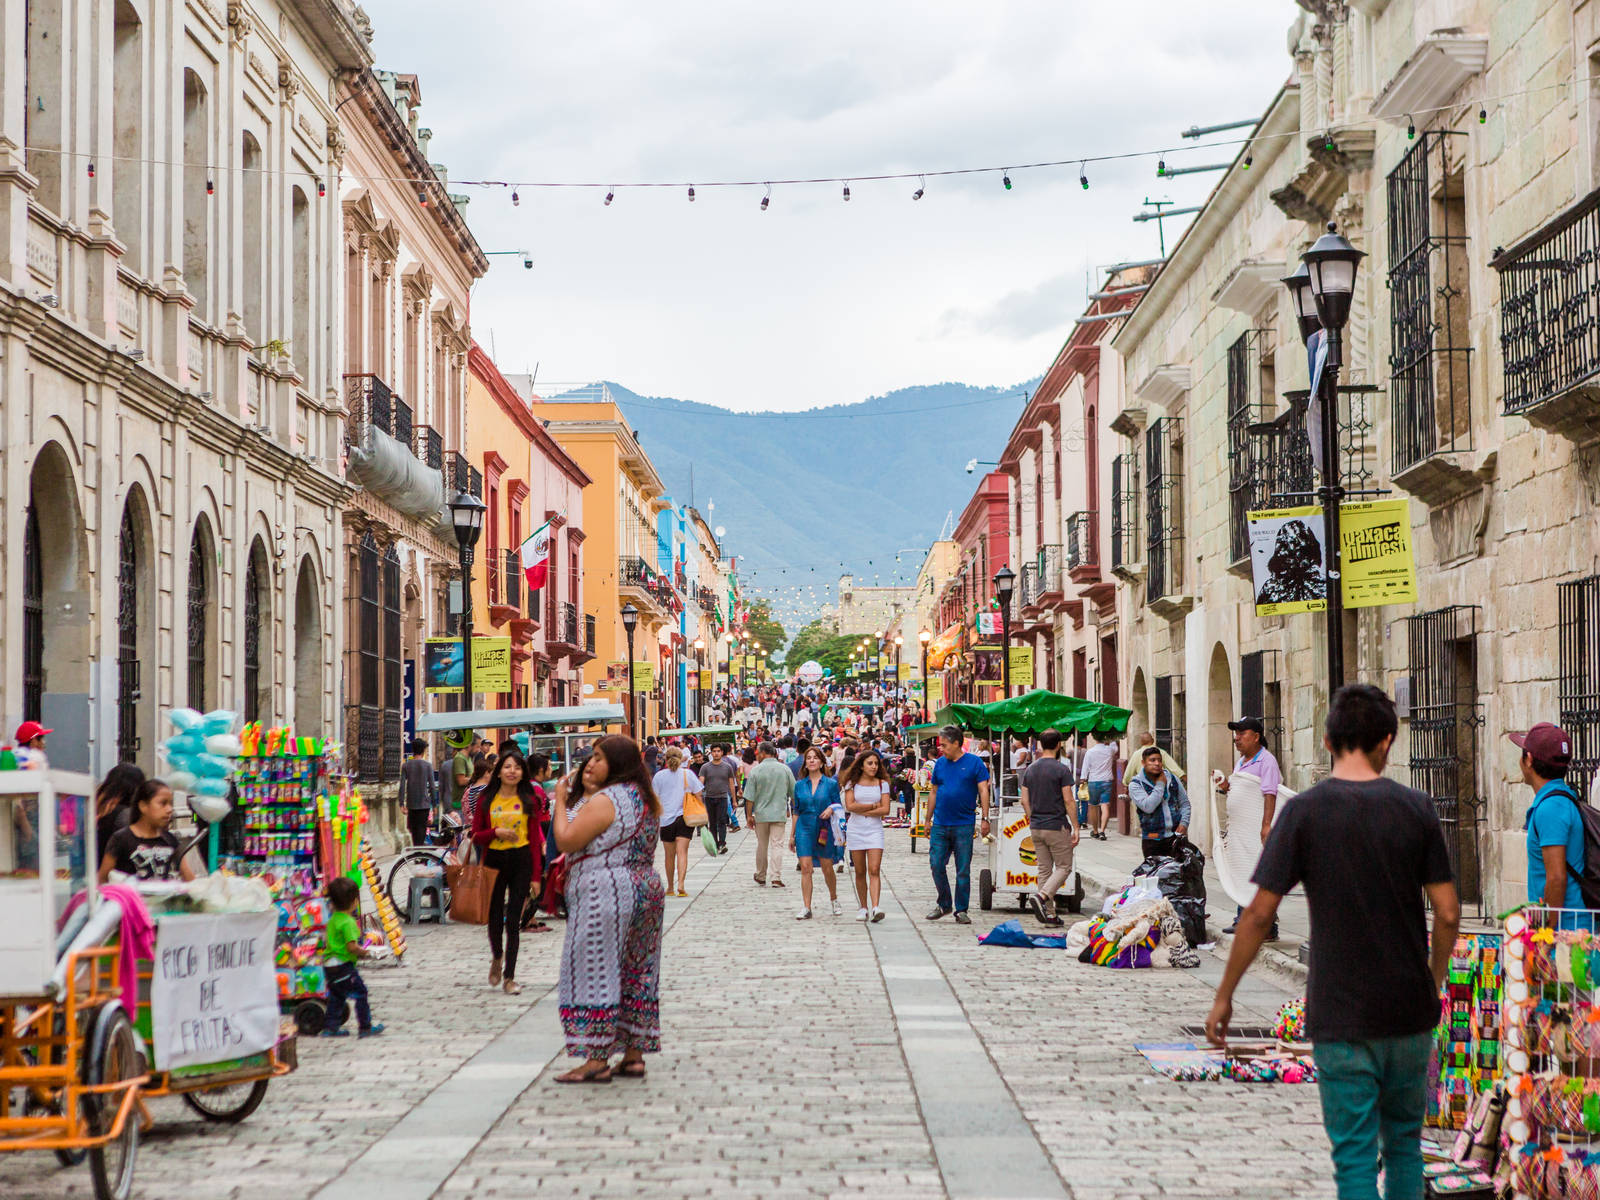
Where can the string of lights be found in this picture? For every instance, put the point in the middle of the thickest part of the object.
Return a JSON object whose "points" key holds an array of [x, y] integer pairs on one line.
{"points": [[1080, 161]]}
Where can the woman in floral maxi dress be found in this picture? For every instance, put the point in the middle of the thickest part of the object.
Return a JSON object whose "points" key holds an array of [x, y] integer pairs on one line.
{"points": [[606, 823]]}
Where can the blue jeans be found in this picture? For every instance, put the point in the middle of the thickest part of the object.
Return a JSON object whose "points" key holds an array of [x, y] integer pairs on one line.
{"points": [[1372, 1104], [344, 985], [944, 841]]}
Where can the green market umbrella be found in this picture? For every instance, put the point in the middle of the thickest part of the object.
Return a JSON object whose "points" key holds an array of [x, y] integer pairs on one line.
{"points": [[1036, 711]]}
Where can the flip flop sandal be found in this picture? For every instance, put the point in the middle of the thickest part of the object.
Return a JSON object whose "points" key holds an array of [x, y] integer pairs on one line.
{"points": [[579, 1075], [630, 1070]]}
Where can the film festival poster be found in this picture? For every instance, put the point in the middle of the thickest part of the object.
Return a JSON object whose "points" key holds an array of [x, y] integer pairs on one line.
{"points": [[1287, 560], [1375, 558]]}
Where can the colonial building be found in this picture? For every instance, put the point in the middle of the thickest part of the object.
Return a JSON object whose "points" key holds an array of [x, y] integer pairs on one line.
{"points": [[1464, 394], [528, 481], [982, 535], [869, 608], [170, 401], [409, 261]]}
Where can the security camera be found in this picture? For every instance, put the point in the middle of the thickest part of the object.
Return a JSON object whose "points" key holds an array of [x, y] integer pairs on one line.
{"points": [[527, 262], [972, 465]]}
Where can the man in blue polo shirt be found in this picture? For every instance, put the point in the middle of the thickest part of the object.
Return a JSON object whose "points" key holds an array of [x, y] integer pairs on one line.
{"points": [[1555, 830], [960, 784]]}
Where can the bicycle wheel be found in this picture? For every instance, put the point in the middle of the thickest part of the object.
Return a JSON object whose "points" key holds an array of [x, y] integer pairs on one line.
{"points": [[229, 1104], [113, 1055], [399, 884]]}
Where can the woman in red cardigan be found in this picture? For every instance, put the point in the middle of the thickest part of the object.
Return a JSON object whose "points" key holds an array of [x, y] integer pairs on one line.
{"points": [[506, 824]]}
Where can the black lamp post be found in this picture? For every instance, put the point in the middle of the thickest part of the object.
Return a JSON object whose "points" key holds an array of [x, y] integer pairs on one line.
{"points": [[925, 637], [899, 640], [1323, 290], [630, 618], [466, 514], [699, 695], [1005, 582]]}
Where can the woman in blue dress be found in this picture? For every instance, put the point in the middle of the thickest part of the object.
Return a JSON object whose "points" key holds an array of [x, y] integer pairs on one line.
{"points": [[811, 836]]}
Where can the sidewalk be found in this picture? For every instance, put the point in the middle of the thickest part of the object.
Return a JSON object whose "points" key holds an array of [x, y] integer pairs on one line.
{"points": [[1105, 867]]}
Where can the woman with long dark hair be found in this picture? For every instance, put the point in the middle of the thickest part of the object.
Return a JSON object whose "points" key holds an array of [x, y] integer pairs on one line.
{"points": [[865, 791], [506, 825], [113, 802], [811, 836], [606, 821]]}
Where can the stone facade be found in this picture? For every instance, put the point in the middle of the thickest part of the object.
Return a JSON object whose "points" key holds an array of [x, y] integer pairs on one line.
{"points": [[169, 394], [869, 609]]}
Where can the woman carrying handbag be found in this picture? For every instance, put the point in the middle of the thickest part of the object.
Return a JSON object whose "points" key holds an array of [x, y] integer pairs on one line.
{"points": [[507, 824], [674, 784]]}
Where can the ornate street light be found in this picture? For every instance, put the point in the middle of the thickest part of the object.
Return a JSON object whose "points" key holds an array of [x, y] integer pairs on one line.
{"points": [[466, 516], [1005, 583], [630, 618]]}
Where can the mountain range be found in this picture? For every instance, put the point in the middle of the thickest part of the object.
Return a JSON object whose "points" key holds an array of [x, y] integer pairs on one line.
{"points": [[805, 497]]}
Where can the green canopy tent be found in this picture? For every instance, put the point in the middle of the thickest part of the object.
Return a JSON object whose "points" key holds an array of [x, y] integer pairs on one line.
{"points": [[1034, 712]]}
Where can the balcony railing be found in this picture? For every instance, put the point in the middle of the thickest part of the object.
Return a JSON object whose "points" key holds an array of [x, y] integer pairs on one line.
{"points": [[427, 443], [1028, 588], [588, 634], [456, 473], [513, 578], [1125, 539], [634, 572], [371, 403], [491, 576], [1550, 321], [567, 624], [1083, 542]]}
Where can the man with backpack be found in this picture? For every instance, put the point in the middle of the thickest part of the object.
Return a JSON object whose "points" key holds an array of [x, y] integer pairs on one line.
{"points": [[1556, 838]]}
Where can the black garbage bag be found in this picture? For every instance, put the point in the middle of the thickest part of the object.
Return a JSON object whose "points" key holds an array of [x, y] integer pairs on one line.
{"points": [[1193, 915], [1194, 870], [1182, 880]]}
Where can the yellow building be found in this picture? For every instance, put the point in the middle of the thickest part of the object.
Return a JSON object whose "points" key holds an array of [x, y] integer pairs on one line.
{"points": [[624, 565]]}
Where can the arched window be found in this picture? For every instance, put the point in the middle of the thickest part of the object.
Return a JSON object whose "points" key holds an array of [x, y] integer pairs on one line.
{"points": [[127, 132], [32, 619], [200, 616], [196, 200], [129, 561], [257, 614], [252, 179], [302, 349], [308, 651]]}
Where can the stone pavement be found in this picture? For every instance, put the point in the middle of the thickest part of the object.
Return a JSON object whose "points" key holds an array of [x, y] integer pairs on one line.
{"points": [[801, 1059]]}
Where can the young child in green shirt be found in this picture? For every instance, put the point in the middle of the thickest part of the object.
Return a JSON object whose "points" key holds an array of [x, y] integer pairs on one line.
{"points": [[344, 948]]}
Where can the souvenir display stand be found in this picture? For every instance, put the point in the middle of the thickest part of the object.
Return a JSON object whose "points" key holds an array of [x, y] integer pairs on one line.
{"points": [[1552, 1055], [1466, 1060]]}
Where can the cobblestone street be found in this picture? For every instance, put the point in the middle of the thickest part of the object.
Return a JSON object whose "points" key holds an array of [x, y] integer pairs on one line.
{"points": [[820, 1058]]}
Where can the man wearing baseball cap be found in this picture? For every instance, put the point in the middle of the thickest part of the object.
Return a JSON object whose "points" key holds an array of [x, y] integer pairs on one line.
{"points": [[1555, 830], [1249, 739], [31, 735]]}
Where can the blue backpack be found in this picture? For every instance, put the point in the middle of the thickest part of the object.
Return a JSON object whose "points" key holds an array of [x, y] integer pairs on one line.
{"points": [[1589, 878]]}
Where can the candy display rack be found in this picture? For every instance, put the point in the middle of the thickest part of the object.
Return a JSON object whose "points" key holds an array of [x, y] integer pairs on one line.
{"points": [[1467, 1056]]}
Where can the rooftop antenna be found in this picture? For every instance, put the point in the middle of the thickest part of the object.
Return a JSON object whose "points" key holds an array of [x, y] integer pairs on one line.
{"points": [[1159, 217]]}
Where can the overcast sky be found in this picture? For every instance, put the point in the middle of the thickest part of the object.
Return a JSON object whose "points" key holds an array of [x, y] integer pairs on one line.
{"points": [[815, 301]]}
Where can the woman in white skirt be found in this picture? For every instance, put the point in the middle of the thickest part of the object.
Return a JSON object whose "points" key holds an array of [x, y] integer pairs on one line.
{"points": [[866, 791]]}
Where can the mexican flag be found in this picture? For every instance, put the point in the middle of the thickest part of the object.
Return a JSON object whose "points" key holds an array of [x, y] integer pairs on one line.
{"points": [[536, 557]]}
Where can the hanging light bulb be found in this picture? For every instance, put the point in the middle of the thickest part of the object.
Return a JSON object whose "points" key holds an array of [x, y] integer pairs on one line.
{"points": [[422, 197], [847, 192], [1483, 116], [1327, 139], [1411, 128], [922, 185], [1249, 158], [610, 196], [91, 170], [1161, 167], [767, 199], [515, 199], [691, 193], [1006, 180], [211, 188], [322, 189], [1083, 175]]}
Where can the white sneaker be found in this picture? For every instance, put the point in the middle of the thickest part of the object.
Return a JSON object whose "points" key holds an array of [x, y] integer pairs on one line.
{"points": [[838, 909], [861, 914], [877, 914], [803, 915]]}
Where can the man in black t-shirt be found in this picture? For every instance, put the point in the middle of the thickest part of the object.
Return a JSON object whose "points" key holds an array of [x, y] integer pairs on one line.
{"points": [[1046, 784], [1367, 850]]}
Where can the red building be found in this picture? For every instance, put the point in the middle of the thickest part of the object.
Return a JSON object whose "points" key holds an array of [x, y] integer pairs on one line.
{"points": [[983, 534]]}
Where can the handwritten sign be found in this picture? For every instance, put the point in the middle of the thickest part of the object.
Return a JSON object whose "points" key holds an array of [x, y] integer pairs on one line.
{"points": [[213, 993]]}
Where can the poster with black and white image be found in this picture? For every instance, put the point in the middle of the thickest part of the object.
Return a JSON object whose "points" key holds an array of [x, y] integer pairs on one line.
{"points": [[1288, 560]]}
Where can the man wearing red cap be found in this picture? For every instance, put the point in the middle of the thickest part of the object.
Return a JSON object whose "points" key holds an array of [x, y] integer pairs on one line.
{"points": [[30, 737], [1555, 830]]}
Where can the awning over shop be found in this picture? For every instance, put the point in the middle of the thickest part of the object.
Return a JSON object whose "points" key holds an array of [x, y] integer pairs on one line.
{"points": [[1036, 711], [518, 718]]}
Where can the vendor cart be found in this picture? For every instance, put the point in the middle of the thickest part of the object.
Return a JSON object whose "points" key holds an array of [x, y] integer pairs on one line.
{"points": [[1011, 864], [70, 1068]]}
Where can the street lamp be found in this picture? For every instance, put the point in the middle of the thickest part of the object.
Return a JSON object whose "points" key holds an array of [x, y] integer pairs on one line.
{"points": [[466, 515], [899, 641], [925, 637], [630, 618], [1327, 276], [1005, 582], [699, 695]]}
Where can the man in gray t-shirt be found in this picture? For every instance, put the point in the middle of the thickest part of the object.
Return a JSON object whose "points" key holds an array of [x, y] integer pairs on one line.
{"points": [[721, 778], [1046, 787]]}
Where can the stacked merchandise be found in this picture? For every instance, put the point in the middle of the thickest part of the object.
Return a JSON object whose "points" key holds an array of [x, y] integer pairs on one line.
{"points": [[1552, 1054], [373, 891], [1467, 1051], [302, 921]]}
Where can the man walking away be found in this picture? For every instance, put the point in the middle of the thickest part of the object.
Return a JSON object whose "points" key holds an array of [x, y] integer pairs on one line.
{"points": [[1046, 791], [1257, 761], [419, 791], [1100, 770], [1367, 850], [1162, 803], [652, 755], [960, 784], [719, 777], [768, 795], [1555, 830]]}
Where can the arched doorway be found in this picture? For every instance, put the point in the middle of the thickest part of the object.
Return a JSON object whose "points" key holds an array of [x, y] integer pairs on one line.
{"points": [[1140, 721], [1219, 711], [257, 636], [308, 655], [135, 699], [55, 608], [202, 617]]}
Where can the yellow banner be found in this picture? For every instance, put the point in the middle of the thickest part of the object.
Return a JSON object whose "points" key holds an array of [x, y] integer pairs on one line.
{"points": [[443, 671], [705, 680], [905, 672], [1375, 554], [750, 662], [1022, 666], [935, 695], [644, 677]]}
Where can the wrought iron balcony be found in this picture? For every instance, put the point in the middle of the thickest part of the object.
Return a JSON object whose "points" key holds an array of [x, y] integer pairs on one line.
{"points": [[1083, 546], [372, 404], [457, 474], [636, 574], [427, 443], [513, 578], [588, 634], [1125, 540], [565, 631], [1028, 589], [491, 577], [1550, 322]]}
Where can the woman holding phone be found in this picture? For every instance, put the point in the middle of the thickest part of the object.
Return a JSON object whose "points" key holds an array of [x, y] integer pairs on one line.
{"points": [[811, 836], [865, 791]]}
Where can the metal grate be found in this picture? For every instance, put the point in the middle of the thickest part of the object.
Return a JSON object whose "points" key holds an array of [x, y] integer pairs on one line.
{"points": [[1253, 698], [128, 555], [1163, 509], [393, 698], [199, 605], [513, 560], [367, 629], [1167, 726], [1550, 307], [363, 736], [1245, 408], [1445, 719], [1083, 540], [252, 638], [1124, 510], [1578, 635], [569, 625], [1429, 375], [459, 475], [32, 618], [588, 633], [427, 443]]}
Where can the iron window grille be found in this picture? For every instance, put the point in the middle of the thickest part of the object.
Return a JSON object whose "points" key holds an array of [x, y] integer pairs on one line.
{"points": [[1125, 510], [1578, 636], [1550, 308], [253, 587], [1083, 540], [1445, 720], [1245, 408], [367, 625], [32, 618], [393, 698], [1429, 359], [128, 562], [199, 612], [1169, 723], [1163, 509], [513, 560], [427, 443], [1256, 701]]}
